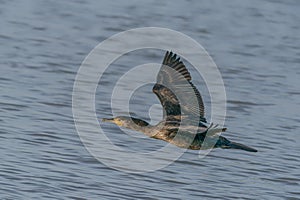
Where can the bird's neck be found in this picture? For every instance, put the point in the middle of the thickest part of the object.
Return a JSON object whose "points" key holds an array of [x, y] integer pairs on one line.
{"points": [[147, 130], [140, 126]]}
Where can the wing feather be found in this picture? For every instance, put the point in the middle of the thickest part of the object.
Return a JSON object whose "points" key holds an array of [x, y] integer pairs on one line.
{"points": [[174, 83]]}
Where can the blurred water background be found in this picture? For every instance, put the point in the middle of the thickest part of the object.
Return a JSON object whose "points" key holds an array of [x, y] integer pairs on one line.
{"points": [[256, 45]]}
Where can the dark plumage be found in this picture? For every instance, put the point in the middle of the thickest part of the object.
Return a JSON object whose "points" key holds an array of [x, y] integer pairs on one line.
{"points": [[183, 124]]}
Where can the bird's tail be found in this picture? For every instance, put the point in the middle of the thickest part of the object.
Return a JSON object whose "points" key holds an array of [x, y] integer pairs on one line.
{"points": [[235, 145]]}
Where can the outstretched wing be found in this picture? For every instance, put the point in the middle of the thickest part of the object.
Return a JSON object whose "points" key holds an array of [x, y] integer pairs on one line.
{"points": [[177, 94]]}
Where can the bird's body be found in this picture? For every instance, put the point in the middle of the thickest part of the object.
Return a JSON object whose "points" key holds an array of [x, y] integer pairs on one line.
{"points": [[183, 124]]}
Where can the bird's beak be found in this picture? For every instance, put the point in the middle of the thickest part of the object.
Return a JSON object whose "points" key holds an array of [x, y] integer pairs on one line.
{"points": [[112, 120]]}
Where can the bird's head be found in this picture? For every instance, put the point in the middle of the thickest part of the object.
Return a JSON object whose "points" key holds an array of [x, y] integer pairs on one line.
{"points": [[125, 121], [119, 121]]}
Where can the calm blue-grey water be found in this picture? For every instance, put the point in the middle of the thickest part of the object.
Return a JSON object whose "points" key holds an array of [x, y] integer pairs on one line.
{"points": [[256, 45]]}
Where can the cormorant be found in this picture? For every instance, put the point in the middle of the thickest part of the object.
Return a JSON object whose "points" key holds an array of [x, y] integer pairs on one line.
{"points": [[183, 124]]}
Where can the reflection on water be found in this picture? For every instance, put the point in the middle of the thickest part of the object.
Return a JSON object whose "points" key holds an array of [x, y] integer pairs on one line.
{"points": [[256, 46]]}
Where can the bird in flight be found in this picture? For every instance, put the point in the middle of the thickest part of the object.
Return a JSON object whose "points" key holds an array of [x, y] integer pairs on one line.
{"points": [[183, 123]]}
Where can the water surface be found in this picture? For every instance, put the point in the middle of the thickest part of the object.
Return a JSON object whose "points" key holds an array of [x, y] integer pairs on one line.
{"points": [[254, 43]]}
